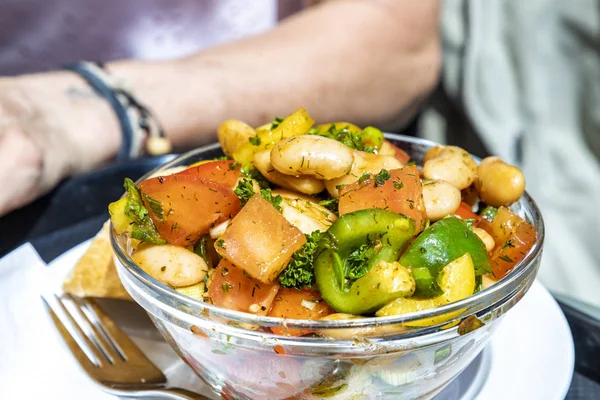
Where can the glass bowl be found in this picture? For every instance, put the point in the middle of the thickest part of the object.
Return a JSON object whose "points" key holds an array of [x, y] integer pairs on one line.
{"points": [[369, 358]]}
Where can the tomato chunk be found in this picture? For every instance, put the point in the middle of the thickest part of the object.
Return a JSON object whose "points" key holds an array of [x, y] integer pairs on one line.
{"points": [[514, 238], [260, 240], [225, 172], [402, 193], [231, 288], [184, 207], [298, 304], [465, 211]]}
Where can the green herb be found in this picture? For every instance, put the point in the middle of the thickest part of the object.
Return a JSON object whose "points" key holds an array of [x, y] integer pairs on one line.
{"points": [[234, 165], [276, 122], [142, 228], [506, 258], [398, 185], [225, 287], [469, 222], [364, 177], [343, 135], [249, 171], [381, 177], [299, 272], [478, 284], [244, 190], [489, 213], [274, 200], [200, 248], [221, 158], [221, 244], [155, 206], [330, 204], [255, 140], [409, 163], [358, 262], [508, 243], [368, 140]]}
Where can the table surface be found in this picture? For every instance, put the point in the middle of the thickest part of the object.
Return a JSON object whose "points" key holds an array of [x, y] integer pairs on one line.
{"points": [[76, 210]]}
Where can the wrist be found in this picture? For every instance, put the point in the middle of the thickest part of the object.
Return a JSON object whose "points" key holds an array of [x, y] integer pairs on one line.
{"points": [[76, 129]]}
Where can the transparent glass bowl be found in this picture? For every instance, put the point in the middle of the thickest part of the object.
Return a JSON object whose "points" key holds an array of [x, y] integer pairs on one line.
{"points": [[239, 358]]}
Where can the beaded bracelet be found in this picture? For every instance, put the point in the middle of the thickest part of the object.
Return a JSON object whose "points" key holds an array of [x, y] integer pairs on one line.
{"points": [[146, 133]]}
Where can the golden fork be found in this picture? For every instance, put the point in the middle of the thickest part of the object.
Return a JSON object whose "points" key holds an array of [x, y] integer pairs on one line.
{"points": [[107, 354]]}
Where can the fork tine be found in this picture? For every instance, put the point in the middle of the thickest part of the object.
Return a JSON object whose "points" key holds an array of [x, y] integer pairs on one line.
{"points": [[79, 354], [100, 357], [121, 341], [112, 352]]}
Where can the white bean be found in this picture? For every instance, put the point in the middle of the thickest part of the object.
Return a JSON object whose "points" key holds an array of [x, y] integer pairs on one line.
{"points": [[304, 212], [312, 155], [441, 198], [302, 184], [486, 238], [451, 164], [172, 265], [216, 231], [363, 162]]}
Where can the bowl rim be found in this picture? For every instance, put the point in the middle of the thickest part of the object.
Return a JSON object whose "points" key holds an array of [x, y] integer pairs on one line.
{"points": [[520, 270]]}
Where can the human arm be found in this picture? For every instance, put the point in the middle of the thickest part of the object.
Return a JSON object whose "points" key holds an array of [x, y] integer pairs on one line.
{"points": [[359, 60]]}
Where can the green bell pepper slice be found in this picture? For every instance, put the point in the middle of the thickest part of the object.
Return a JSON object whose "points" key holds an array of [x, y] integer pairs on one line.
{"points": [[437, 246], [356, 271]]}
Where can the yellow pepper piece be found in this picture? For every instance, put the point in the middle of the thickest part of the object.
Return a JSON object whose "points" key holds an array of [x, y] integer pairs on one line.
{"points": [[295, 124], [457, 282], [195, 291], [120, 221], [339, 125]]}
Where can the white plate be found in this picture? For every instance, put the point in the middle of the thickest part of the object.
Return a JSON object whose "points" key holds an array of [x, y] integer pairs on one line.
{"points": [[529, 357]]}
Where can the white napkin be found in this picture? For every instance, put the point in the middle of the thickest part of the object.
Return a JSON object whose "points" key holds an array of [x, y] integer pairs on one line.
{"points": [[34, 360]]}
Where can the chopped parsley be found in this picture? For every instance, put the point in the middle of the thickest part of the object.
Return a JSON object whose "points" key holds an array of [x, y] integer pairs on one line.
{"points": [[398, 185], [274, 200], [364, 177], [234, 165], [249, 171], [221, 244], [489, 213], [381, 177], [255, 140], [299, 272], [245, 190], [330, 204], [344, 134], [358, 262], [276, 122]]}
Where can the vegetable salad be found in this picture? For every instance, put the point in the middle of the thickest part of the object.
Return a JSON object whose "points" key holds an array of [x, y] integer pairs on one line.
{"points": [[326, 222]]}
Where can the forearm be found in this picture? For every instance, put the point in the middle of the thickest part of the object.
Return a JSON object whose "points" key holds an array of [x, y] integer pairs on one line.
{"points": [[364, 61]]}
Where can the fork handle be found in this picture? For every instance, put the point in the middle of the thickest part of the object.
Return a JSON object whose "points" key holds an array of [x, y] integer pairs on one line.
{"points": [[166, 393]]}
